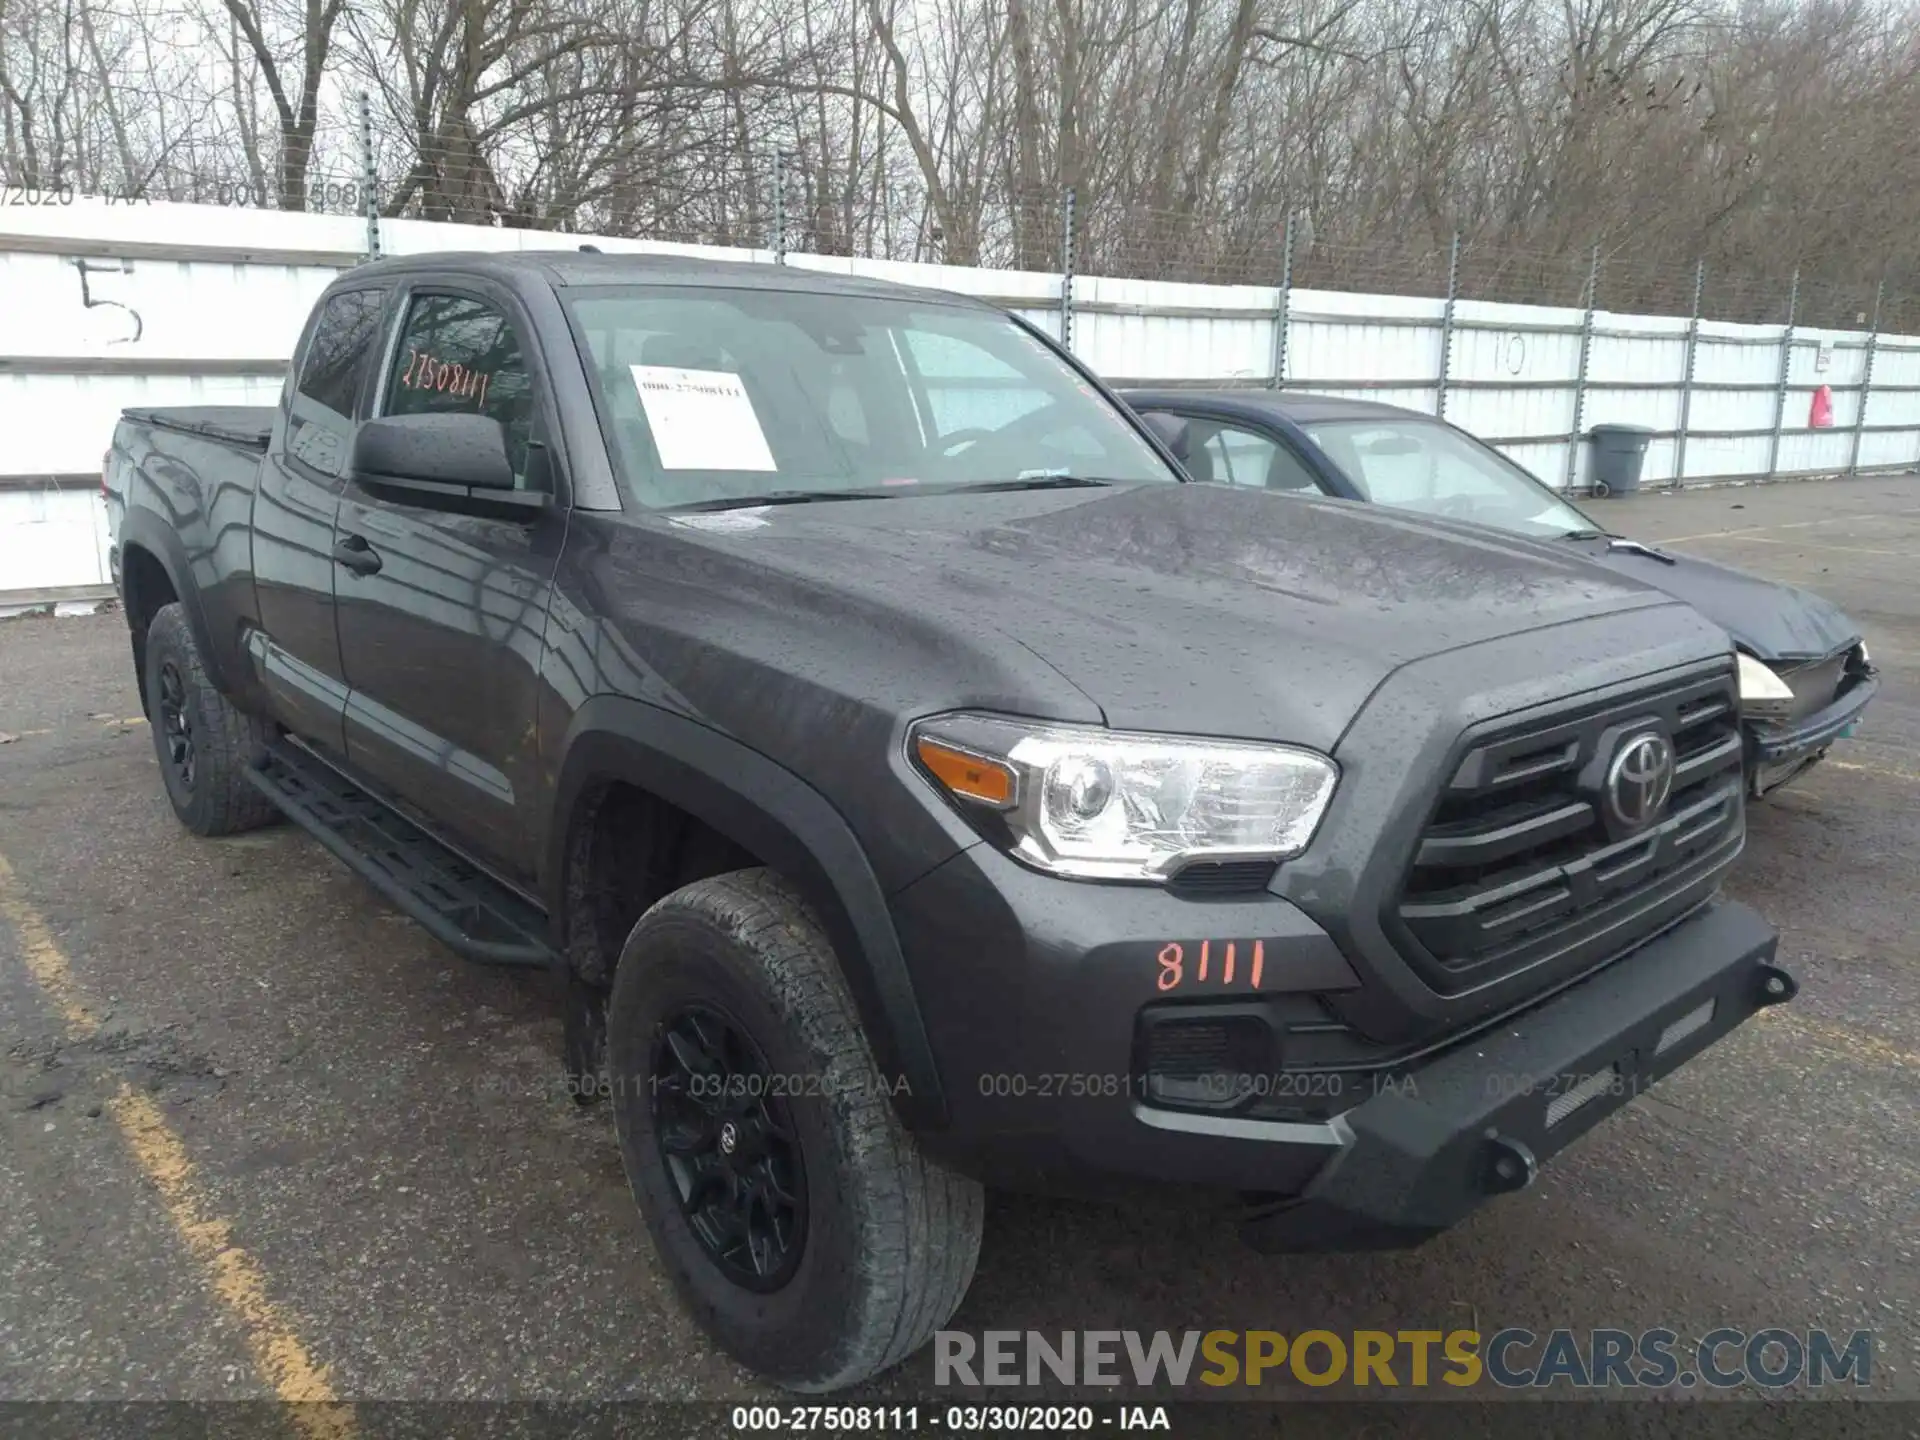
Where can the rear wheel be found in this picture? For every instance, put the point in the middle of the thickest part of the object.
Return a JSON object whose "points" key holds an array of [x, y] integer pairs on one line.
{"points": [[204, 745], [797, 1218]]}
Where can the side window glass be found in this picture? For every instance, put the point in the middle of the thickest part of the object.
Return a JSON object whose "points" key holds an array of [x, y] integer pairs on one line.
{"points": [[331, 370], [458, 354], [1286, 471], [1245, 457]]}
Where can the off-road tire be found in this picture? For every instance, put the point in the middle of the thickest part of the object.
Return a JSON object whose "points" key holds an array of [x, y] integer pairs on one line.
{"points": [[891, 1237], [212, 795]]}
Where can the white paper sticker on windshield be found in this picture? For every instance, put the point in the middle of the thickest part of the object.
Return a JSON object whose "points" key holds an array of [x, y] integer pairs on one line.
{"points": [[701, 419]]}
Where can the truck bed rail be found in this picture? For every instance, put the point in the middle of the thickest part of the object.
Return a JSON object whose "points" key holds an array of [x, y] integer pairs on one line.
{"points": [[248, 426]]}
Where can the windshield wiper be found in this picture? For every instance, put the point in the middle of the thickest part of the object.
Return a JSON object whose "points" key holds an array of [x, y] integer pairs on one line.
{"points": [[807, 497], [1043, 482], [777, 497], [1619, 542]]}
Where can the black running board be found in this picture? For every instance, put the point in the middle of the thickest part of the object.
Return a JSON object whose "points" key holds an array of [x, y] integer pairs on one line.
{"points": [[459, 904]]}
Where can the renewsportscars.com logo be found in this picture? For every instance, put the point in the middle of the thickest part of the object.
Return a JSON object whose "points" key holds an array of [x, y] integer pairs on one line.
{"points": [[1512, 1358]]}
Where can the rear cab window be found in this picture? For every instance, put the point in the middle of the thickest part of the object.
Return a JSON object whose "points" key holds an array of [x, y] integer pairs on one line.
{"points": [[326, 390]]}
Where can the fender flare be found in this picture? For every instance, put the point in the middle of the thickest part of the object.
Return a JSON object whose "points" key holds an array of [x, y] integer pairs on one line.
{"points": [[143, 529], [765, 808]]}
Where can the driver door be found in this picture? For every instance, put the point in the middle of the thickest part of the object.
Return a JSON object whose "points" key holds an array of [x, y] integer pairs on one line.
{"points": [[442, 616]]}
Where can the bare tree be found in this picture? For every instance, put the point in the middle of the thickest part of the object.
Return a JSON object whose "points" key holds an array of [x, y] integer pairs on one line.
{"points": [[295, 87], [1762, 136]]}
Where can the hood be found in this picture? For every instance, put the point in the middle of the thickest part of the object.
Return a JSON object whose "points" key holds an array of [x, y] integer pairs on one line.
{"points": [[1773, 621], [1192, 608]]}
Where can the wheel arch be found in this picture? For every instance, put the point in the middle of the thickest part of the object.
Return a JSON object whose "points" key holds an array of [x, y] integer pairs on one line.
{"points": [[146, 541], [768, 811]]}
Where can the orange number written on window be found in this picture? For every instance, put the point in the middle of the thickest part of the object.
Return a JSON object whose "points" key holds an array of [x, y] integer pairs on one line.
{"points": [[427, 372], [1212, 966]]}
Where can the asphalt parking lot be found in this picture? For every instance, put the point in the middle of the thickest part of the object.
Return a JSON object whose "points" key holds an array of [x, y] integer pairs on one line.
{"points": [[262, 1137]]}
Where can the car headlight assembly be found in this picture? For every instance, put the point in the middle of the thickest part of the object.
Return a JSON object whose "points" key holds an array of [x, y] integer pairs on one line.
{"points": [[1097, 804], [1762, 693]]}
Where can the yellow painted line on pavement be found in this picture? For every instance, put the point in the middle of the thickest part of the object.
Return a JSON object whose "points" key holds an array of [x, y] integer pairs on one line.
{"points": [[42, 956], [1824, 545], [1748, 531], [233, 1275], [1868, 1049]]}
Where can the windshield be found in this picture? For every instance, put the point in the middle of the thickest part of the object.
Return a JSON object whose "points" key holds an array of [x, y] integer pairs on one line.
{"points": [[1415, 464], [717, 395]]}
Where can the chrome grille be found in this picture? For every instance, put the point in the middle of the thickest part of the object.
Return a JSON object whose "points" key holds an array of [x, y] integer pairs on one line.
{"points": [[1517, 864]]}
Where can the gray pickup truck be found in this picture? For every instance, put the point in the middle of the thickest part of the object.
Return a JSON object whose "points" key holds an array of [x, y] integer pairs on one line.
{"points": [[914, 784]]}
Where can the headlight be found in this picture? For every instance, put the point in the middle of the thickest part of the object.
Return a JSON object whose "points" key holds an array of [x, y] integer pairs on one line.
{"points": [[1761, 691], [1110, 805]]}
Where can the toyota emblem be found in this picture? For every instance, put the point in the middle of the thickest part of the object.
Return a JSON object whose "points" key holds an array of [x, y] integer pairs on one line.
{"points": [[1640, 779]]}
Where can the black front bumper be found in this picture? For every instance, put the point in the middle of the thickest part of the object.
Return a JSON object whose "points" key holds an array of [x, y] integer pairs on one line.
{"points": [[1037, 993], [1479, 1119]]}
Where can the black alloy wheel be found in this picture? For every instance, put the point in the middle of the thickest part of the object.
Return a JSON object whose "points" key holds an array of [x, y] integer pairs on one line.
{"points": [[730, 1147], [176, 724]]}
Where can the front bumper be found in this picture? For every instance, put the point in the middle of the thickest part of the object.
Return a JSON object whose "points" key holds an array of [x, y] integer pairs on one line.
{"points": [[1037, 992], [1480, 1119], [1779, 750]]}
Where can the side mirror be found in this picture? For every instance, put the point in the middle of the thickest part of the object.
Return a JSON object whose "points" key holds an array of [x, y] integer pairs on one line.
{"points": [[1170, 430], [467, 451], [443, 462]]}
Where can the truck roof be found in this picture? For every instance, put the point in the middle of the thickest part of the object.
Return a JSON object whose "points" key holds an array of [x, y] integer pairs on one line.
{"points": [[563, 268]]}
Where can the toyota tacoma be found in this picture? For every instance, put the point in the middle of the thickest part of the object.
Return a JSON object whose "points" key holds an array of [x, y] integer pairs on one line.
{"points": [[917, 786]]}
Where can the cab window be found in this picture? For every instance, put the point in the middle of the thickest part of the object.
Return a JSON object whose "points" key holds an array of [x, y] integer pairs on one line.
{"points": [[1223, 453], [326, 390], [459, 354]]}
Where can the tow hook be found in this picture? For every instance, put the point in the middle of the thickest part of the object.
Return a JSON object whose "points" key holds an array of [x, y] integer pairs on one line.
{"points": [[1776, 985], [1510, 1164]]}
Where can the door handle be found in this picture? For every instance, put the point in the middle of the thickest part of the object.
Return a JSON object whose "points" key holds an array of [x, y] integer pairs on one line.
{"points": [[353, 552]]}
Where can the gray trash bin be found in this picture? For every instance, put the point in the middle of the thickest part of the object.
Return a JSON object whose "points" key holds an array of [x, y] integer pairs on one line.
{"points": [[1618, 453]]}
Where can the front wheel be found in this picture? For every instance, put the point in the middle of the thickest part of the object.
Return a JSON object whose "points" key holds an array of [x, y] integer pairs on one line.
{"points": [[797, 1218]]}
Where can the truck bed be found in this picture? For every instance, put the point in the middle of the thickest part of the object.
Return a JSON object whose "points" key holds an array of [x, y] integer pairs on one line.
{"points": [[245, 426]]}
